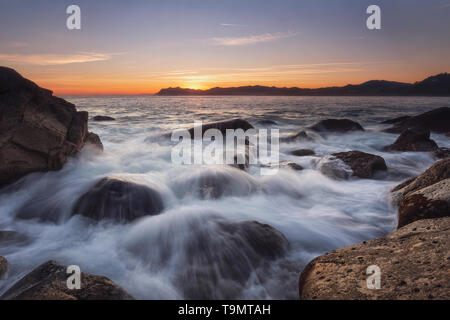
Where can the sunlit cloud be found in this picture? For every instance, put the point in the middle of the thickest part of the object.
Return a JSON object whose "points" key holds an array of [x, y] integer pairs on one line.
{"points": [[246, 40], [54, 59], [17, 44], [232, 25]]}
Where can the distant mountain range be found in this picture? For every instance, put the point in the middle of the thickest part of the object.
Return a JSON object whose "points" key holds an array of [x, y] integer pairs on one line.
{"points": [[438, 85]]}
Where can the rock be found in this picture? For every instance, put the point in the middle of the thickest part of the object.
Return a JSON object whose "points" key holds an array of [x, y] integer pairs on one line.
{"points": [[437, 120], [3, 266], [103, 118], [266, 122], [426, 203], [49, 282], [364, 165], [442, 153], [300, 136], [413, 262], [93, 139], [119, 200], [334, 168], [222, 126], [38, 131], [396, 120], [292, 165], [10, 238], [447, 134], [415, 140], [303, 152], [436, 173], [337, 125]]}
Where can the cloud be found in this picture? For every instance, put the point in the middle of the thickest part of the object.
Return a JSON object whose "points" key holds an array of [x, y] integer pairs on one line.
{"points": [[232, 25], [246, 40], [55, 59]]}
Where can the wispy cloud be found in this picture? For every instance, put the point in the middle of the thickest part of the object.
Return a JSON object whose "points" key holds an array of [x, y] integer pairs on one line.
{"points": [[246, 40], [232, 25], [55, 59]]}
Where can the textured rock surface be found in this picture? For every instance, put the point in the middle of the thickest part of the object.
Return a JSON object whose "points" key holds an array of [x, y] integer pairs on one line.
{"points": [[363, 165], [437, 120], [413, 260], [38, 131], [337, 125], [49, 282], [413, 140], [3, 266]]}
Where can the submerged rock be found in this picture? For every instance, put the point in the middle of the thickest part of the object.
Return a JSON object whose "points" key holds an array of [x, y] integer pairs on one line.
{"points": [[413, 262], [10, 238], [119, 200], [267, 122], [222, 126], [292, 165], [3, 266], [103, 118], [415, 140], [93, 139], [49, 282], [396, 120], [300, 136], [437, 120], [38, 132], [364, 165], [337, 125], [303, 152], [334, 168]]}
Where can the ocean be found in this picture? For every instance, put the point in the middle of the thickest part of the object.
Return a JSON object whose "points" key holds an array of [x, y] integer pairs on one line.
{"points": [[183, 252]]}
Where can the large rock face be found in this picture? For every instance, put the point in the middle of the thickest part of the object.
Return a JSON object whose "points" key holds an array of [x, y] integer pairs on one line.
{"points": [[38, 131], [119, 200], [363, 165], [337, 125], [49, 282], [437, 120], [413, 262], [417, 140]]}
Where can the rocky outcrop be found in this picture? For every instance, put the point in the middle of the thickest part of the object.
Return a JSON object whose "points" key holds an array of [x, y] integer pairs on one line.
{"points": [[3, 266], [337, 125], [38, 131], [303, 152], [103, 118], [437, 120], [119, 200], [436, 173], [222, 126], [413, 262], [364, 165], [415, 140], [49, 282]]}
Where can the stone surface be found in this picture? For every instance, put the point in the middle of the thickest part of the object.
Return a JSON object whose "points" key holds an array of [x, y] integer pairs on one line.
{"points": [[119, 200], [364, 165], [413, 262], [222, 126], [417, 140], [437, 120], [38, 131], [3, 266], [303, 152], [337, 125], [49, 282], [334, 168], [103, 118]]}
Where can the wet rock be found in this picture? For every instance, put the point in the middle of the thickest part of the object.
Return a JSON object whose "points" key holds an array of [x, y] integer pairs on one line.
{"points": [[267, 122], [427, 203], [437, 120], [415, 140], [292, 165], [222, 126], [49, 282], [103, 118], [3, 266], [442, 153], [413, 262], [300, 136], [337, 125], [334, 168], [303, 152], [119, 200], [364, 165], [447, 134], [10, 238], [436, 173], [38, 132], [93, 139], [396, 120]]}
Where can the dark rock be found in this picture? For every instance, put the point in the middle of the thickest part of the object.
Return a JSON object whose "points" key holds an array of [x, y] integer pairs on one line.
{"points": [[103, 118], [337, 125], [300, 136], [442, 153], [222, 126], [363, 165], [447, 134], [3, 266], [412, 261], [266, 122], [9, 238], [38, 131], [396, 120], [437, 120], [119, 200], [415, 140], [334, 168], [93, 139], [303, 152], [293, 166], [49, 282]]}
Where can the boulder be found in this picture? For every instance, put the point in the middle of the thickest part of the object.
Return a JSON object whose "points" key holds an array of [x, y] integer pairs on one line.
{"points": [[413, 262], [415, 140], [334, 168], [49, 282], [3, 266], [436, 173], [38, 132], [292, 165], [396, 120], [427, 203], [119, 200], [442, 153], [93, 139], [300, 136], [303, 152], [267, 122], [222, 126], [337, 125], [103, 118], [364, 165], [437, 120]]}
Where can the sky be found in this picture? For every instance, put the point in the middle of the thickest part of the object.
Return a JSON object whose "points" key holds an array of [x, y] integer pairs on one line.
{"points": [[141, 46]]}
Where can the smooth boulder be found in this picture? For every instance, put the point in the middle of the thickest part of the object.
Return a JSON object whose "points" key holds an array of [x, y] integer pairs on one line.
{"points": [[223, 126], [413, 262], [437, 120], [364, 165], [337, 125], [119, 200], [103, 118], [414, 140], [334, 168], [38, 132], [49, 282]]}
